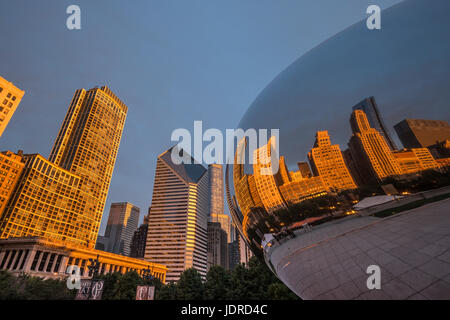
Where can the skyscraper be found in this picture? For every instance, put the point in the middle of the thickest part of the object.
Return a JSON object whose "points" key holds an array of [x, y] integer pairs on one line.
{"points": [[328, 163], [216, 205], [217, 245], [178, 217], [11, 166], [123, 221], [267, 184], [87, 145], [10, 97], [419, 133], [137, 247], [369, 150], [369, 106]]}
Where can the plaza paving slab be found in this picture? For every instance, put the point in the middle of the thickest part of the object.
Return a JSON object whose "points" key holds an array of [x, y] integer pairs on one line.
{"points": [[411, 248]]}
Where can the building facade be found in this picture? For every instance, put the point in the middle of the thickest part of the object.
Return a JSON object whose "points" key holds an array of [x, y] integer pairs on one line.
{"points": [[177, 222], [217, 245], [10, 97], [47, 202], [11, 166], [373, 157], [137, 247], [327, 162], [87, 145], [420, 133], [123, 221], [50, 259], [370, 108]]}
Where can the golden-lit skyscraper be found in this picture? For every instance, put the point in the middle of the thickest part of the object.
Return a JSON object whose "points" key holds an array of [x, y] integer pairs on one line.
{"points": [[47, 203], [267, 184], [10, 97], [369, 150], [327, 162], [87, 145], [415, 160], [11, 166]]}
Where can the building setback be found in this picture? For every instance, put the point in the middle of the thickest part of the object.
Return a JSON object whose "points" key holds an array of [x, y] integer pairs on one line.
{"points": [[177, 222]]}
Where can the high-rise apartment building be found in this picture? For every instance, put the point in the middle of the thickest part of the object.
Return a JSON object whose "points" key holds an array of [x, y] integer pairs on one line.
{"points": [[370, 108], [10, 97], [47, 202], [327, 162], [420, 133], [87, 145], [178, 217], [373, 157], [11, 166], [63, 198], [123, 221], [217, 245]]}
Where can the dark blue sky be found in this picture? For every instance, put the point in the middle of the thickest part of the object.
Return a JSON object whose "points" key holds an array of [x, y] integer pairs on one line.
{"points": [[171, 62]]}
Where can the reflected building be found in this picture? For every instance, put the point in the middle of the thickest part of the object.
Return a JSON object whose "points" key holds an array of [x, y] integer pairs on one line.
{"points": [[370, 108], [328, 163], [373, 157], [178, 217], [267, 179], [420, 133]]}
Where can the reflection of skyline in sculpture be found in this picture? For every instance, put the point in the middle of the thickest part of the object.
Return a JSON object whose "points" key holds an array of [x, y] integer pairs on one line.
{"points": [[369, 159], [369, 106]]}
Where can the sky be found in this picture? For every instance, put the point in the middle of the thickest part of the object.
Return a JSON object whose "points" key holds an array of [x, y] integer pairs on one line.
{"points": [[171, 62]]}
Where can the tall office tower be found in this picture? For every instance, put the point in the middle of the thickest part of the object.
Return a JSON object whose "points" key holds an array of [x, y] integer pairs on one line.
{"points": [[327, 162], [234, 257], [419, 133], [47, 202], [370, 108], [87, 145], [266, 183], [216, 206], [284, 171], [10, 97], [217, 245], [123, 221], [373, 157], [177, 223], [137, 247], [11, 166]]}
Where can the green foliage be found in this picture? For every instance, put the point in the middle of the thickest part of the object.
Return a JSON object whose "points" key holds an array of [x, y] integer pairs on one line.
{"points": [[25, 287], [255, 282], [190, 285]]}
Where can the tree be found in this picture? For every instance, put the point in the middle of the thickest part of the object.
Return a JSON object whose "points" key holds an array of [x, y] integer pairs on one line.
{"points": [[190, 285], [217, 283], [278, 291], [167, 292]]}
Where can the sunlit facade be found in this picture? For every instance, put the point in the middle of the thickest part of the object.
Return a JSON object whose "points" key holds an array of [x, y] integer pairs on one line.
{"points": [[11, 166], [373, 157], [421, 133], [87, 145], [123, 221], [49, 259], [177, 221], [328, 163], [10, 97], [47, 203]]}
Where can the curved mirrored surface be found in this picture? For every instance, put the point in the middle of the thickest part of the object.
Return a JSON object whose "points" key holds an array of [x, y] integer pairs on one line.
{"points": [[363, 129]]}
